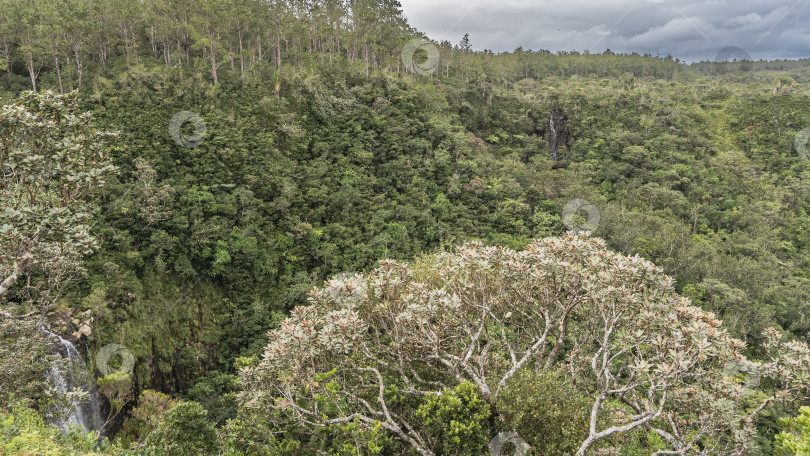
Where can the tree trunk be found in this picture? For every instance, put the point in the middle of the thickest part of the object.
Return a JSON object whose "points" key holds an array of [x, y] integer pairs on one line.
{"points": [[9, 281], [278, 52], [187, 45], [58, 74], [167, 54], [241, 56], [153, 38], [126, 44], [7, 54], [134, 41], [31, 71], [103, 53], [213, 58], [78, 66]]}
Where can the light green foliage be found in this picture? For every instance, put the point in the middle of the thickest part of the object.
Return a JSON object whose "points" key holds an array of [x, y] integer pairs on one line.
{"points": [[117, 389], [795, 439], [23, 432], [144, 418], [184, 431], [459, 418]]}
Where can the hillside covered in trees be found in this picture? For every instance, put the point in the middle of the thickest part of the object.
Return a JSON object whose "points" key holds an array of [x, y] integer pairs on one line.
{"points": [[254, 227]]}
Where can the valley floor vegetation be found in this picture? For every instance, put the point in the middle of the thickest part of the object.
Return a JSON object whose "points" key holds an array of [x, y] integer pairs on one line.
{"points": [[356, 258]]}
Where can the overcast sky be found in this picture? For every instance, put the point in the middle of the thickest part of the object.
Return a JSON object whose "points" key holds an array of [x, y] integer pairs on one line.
{"points": [[687, 29]]}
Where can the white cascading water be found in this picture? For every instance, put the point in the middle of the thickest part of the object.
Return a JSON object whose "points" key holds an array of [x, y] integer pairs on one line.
{"points": [[553, 139], [86, 414]]}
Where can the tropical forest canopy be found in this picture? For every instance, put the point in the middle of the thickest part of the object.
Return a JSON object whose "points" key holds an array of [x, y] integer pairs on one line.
{"points": [[307, 241]]}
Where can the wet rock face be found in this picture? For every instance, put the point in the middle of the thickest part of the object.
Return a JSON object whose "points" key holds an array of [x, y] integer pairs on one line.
{"points": [[72, 325], [83, 325], [557, 133], [69, 376]]}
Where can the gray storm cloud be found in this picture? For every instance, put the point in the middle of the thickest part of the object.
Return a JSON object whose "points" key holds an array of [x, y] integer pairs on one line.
{"points": [[689, 30]]}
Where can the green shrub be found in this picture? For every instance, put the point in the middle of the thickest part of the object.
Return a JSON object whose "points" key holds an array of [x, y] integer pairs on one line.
{"points": [[459, 418], [184, 431], [547, 413]]}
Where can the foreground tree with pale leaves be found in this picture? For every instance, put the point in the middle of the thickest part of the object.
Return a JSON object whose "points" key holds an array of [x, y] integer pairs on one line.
{"points": [[53, 161], [370, 350]]}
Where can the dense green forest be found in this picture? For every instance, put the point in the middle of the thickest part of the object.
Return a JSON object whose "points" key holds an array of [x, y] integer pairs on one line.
{"points": [[182, 178]]}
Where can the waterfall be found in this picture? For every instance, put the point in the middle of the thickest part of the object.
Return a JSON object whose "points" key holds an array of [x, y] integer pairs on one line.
{"points": [[86, 414], [557, 133], [553, 138]]}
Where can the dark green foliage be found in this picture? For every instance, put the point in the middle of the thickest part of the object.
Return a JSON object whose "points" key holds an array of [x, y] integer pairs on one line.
{"points": [[280, 196], [550, 415], [321, 161], [26, 356], [184, 431], [143, 419], [215, 392]]}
